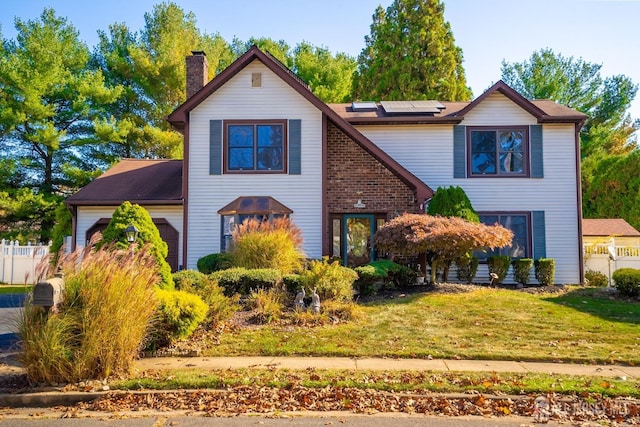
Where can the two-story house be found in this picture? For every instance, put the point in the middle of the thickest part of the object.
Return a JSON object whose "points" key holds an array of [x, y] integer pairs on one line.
{"points": [[258, 142]]}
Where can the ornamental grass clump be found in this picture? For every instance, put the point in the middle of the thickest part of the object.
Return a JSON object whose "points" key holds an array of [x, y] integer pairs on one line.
{"points": [[98, 330], [268, 244]]}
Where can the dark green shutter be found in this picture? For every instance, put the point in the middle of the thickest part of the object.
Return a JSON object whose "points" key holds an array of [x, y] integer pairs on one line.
{"points": [[215, 147], [535, 139], [539, 238], [459, 150], [295, 149]]}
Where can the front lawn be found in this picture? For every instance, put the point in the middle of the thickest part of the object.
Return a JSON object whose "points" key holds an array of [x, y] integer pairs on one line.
{"points": [[582, 325], [15, 289]]}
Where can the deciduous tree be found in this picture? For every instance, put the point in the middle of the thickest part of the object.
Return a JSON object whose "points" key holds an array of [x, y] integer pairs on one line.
{"points": [[579, 85], [447, 238], [614, 190], [330, 77]]}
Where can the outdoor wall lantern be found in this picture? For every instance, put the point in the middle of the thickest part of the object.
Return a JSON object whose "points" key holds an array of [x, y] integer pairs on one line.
{"points": [[132, 233]]}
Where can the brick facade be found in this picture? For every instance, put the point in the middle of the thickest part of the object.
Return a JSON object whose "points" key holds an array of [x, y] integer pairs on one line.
{"points": [[351, 170]]}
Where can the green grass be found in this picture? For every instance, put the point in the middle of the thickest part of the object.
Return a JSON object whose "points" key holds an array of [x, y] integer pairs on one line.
{"points": [[391, 381], [15, 289], [581, 325]]}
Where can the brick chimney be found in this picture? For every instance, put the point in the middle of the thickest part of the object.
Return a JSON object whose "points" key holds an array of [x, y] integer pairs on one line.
{"points": [[197, 72]]}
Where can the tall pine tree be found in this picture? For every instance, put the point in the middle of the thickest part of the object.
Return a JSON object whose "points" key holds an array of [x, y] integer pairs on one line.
{"points": [[410, 54]]}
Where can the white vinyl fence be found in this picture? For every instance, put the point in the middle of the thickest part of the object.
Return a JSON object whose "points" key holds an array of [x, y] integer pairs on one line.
{"points": [[607, 258], [18, 264]]}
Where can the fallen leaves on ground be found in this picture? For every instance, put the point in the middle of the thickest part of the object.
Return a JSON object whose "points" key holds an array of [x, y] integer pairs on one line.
{"points": [[255, 399]]}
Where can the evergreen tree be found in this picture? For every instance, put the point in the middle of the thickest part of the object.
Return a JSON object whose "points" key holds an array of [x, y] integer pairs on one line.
{"points": [[452, 201], [151, 69], [133, 214], [49, 98], [410, 54]]}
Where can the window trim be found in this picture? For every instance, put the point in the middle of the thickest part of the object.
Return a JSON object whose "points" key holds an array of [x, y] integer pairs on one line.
{"points": [[285, 146], [526, 151], [529, 218]]}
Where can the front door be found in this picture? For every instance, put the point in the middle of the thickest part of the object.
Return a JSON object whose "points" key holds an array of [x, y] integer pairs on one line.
{"points": [[356, 235]]}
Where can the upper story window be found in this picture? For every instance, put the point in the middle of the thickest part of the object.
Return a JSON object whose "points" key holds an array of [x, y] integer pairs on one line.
{"points": [[255, 146], [498, 152]]}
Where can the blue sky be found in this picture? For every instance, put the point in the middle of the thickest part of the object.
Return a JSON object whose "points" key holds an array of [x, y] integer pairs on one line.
{"points": [[488, 31]]}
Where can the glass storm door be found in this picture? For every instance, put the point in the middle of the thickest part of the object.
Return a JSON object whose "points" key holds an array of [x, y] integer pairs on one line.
{"points": [[357, 233]]}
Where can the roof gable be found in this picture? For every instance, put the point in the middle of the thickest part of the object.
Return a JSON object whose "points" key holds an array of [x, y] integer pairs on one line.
{"points": [[510, 93], [545, 111], [179, 118]]}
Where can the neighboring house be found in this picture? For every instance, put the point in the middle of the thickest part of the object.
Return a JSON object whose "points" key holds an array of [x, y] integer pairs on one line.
{"points": [[257, 142], [610, 244]]}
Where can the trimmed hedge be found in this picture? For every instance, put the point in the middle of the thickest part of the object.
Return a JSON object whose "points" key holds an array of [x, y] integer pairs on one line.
{"points": [[545, 270], [187, 280], [214, 262], [241, 280], [391, 274], [292, 283], [467, 268], [522, 270], [368, 277], [627, 281], [499, 264]]}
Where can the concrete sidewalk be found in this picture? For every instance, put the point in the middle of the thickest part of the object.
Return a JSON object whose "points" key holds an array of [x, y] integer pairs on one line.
{"points": [[438, 365]]}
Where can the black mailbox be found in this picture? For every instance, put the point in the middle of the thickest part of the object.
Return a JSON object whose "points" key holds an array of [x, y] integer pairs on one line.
{"points": [[48, 293]]}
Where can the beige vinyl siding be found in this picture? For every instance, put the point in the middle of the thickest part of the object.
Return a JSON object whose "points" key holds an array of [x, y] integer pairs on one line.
{"points": [[427, 152], [89, 215], [238, 100]]}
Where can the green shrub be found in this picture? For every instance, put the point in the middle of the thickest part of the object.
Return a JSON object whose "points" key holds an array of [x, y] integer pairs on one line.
{"points": [[627, 281], [221, 307], [292, 283], [214, 262], [596, 279], [368, 278], [467, 268], [179, 314], [107, 307], [522, 270], [384, 272], [499, 264], [267, 304], [332, 281], [132, 214], [242, 280], [452, 201], [187, 280], [268, 244], [400, 275], [545, 270]]}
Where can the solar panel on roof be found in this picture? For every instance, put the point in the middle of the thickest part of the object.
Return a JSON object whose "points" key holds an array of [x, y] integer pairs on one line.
{"points": [[364, 106], [412, 107]]}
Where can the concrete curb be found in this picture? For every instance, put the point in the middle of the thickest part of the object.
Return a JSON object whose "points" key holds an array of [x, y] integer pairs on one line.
{"points": [[47, 399]]}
